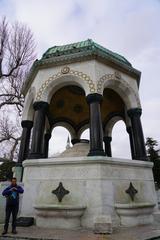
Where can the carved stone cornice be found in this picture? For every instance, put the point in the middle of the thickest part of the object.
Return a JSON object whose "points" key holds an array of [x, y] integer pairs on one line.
{"points": [[134, 112], [27, 124], [107, 139], [94, 97], [78, 57], [40, 105]]}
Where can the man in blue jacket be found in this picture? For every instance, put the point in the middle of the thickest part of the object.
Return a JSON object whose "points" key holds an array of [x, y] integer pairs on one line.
{"points": [[12, 204]]}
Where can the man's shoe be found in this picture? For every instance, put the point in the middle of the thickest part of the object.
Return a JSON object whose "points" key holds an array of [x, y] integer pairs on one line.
{"points": [[14, 231], [4, 232]]}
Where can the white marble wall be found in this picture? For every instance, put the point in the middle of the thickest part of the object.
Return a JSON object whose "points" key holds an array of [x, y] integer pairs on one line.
{"points": [[88, 75], [96, 182]]}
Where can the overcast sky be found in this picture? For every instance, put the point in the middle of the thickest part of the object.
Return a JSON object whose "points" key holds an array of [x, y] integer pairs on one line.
{"points": [[129, 27]]}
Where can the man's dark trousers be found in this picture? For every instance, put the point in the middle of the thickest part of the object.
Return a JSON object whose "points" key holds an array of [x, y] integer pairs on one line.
{"points": [[11, 209]]}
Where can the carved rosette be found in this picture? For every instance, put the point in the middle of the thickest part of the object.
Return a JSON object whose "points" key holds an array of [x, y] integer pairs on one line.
{"points": [[65, 70]]}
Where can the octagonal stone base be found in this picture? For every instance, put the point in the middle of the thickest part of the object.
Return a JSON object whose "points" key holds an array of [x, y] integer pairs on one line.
{"points": [[95, 182]]}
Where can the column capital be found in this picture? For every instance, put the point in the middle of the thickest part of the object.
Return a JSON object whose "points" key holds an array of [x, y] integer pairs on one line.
{"points": [[94, 97], [40, 105], [134, 112], [107, 138], [27, 124]]}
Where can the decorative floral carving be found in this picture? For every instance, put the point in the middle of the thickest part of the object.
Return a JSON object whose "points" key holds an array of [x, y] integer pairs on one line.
{"points": [[102, 80], [116, 76], [82, 75]]}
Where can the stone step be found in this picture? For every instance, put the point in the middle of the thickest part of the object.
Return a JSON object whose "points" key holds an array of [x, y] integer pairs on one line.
{"points": [[25, 221], [15, 237]]}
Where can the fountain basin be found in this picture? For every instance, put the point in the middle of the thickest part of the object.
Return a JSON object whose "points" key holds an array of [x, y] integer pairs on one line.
{"points": [[133, 214], [59, 216]]}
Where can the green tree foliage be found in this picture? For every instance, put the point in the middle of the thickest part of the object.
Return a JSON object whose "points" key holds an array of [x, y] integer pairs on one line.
{"points": [[153, 155], [6, 170]]}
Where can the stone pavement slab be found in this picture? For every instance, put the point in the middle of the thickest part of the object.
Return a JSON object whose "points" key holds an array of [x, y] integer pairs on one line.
{"points": [[36, 233]]}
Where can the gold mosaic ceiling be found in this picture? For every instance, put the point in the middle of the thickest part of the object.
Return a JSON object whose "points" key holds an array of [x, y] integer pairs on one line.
{"points": [[69, 104]]}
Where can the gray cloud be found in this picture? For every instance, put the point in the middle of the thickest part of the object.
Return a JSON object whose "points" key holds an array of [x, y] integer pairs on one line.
{"points": [[127, 27]]}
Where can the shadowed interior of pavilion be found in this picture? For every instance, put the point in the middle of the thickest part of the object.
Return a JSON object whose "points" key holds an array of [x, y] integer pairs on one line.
{"points": [[69, 108]]}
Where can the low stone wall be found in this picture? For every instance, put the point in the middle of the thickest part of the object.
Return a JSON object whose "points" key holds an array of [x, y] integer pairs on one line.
{"points": [[3, 185]]}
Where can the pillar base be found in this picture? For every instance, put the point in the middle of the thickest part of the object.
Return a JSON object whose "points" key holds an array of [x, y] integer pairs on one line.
{"points": [[96, 153], [36, 155], [141, 158], [75, 140]]}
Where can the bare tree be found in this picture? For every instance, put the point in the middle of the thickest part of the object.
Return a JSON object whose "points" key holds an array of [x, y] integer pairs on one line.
{"points": [[16, 54], [17, 48], [9, 137]]}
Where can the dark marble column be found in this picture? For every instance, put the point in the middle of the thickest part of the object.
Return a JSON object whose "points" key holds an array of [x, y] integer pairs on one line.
{"points": [[107, 142], [131, 139], [25, 139], [38, 129], [47, 137], [96, 131], [140, 151]]}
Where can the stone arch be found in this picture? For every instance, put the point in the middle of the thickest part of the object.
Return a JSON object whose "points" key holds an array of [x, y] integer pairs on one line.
{"points": [[28, 111], [67, 126], [110, 124], [82, 129], [67, 76], [119, 85]]}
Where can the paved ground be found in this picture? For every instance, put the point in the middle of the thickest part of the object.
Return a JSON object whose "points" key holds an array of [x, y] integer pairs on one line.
{"points": [[134, 233]]}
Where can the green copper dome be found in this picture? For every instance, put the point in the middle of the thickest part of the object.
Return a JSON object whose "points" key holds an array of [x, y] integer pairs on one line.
{"points": [[78, 52], [84, 47]]}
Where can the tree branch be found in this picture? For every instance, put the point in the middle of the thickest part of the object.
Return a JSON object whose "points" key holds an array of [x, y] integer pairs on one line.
{"points": [[17, 52]]}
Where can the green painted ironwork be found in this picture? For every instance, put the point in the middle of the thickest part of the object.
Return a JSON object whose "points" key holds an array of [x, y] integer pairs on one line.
{"points": [[75, 52]]}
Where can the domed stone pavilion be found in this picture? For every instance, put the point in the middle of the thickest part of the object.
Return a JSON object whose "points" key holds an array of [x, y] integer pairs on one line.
{"points": [[79, 86]]}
